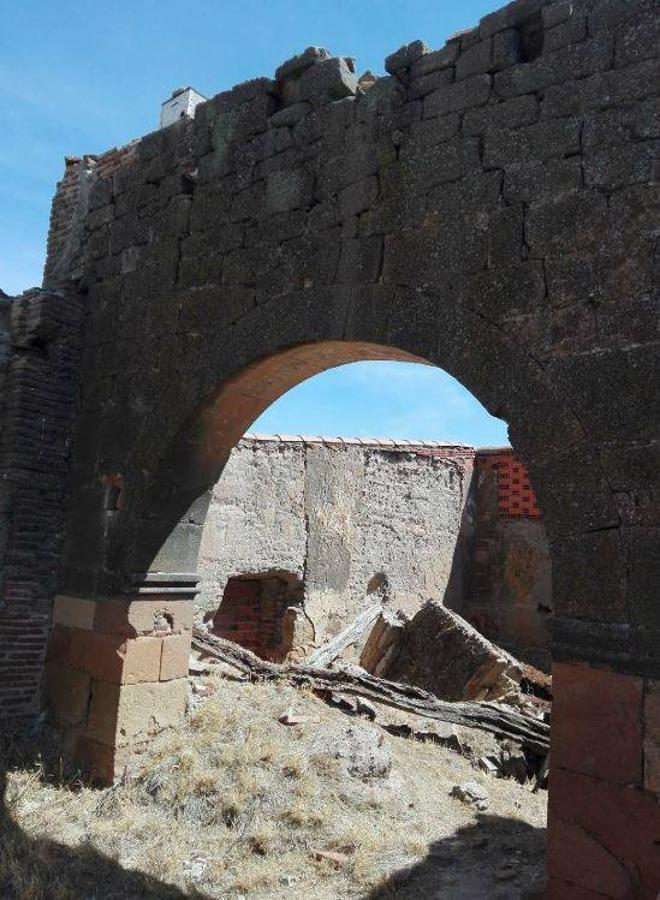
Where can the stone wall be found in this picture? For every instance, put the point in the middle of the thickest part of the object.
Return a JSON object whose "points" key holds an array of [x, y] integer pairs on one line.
{"points": [[39, 357], [490, 208], [357, 520]]}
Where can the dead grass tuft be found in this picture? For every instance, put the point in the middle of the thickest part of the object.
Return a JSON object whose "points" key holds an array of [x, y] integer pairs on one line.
{"points": [[237, 804]]}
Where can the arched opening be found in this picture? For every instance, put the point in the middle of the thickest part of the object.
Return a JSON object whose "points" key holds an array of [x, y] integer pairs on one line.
{"points": [[354, 523], [181, 487], [359, 521]]}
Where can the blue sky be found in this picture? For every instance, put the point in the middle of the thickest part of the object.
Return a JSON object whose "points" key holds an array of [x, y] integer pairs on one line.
{"points": [[81, 79]]}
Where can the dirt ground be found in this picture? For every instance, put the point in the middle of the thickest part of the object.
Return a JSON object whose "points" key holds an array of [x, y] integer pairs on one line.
{"points": [[238, 805]]}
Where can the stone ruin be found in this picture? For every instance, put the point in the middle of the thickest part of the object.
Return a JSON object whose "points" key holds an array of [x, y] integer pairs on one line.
{"points": [[303, 534], [489, 207]]}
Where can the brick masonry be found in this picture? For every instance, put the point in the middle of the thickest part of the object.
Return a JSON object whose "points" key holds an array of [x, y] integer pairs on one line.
{"points": [[489, 207], [38, 409], [259, 613]]}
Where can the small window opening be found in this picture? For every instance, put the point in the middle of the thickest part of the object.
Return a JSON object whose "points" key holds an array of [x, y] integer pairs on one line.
{"points": [[259, 612]]}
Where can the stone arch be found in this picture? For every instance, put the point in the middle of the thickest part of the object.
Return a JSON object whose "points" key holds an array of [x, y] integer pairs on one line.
{"points": [[509, 384], [490, 208]]}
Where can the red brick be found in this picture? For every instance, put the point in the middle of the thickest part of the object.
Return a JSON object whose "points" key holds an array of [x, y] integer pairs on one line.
{"points": [[597, 723]]}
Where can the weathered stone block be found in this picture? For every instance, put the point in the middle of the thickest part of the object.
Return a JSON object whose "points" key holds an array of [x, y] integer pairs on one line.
{"points": [[358, 197], [67, 693], [505, 291], [360, 261], [532, 181], [74, 612], [540, 141], [506, 49], [330, 78], [428, 132], [601, 90], [102, 764], [383, 642], [576, 61], [652, 737], [619, 166], [133, 617], [475, 61], [422, 168], [110, 657], [425, 84], [122, 714], [557, 13], [638, 40], [610, 15], [414, 259], [465, 94], [584, 591], [566, 222], [175, 656], [601, 836], [645, 576], [140, 660], [510, 16], [597, 723], [440, 652], [287, 191], [572, 31], [434, 61], [577, 859], [298, 64], [398, 62]]}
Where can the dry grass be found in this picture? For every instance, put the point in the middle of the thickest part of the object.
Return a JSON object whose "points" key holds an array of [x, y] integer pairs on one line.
{"points": [[236, 804]]}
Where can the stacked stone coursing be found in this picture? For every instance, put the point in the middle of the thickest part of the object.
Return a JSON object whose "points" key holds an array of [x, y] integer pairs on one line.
{"points": [[502, 225]]}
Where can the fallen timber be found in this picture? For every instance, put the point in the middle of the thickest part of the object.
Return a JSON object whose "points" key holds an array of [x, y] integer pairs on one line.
{"points": [[531, 733]]}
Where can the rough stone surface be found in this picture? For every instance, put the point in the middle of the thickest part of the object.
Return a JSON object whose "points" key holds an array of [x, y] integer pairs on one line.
{"points": [[357, 750], [597, 723], [203, 305], [441, 652], [471, 792], [509, 596], [358, 522]]}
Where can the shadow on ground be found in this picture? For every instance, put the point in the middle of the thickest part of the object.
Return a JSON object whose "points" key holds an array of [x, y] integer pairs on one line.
{"points": [[495, 859], [43, 869]]}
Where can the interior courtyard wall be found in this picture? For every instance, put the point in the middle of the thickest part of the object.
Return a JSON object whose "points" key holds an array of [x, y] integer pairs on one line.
{"points": [[340, 513]]}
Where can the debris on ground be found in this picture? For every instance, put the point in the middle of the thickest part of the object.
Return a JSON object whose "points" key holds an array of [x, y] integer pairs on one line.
{"points": [[333, 684], [440, 652], [471, 792], [233, 805]]}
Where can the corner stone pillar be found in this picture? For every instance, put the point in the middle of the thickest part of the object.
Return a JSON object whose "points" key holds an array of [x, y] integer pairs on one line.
{"points": [[604, 799], [116, 674]]}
